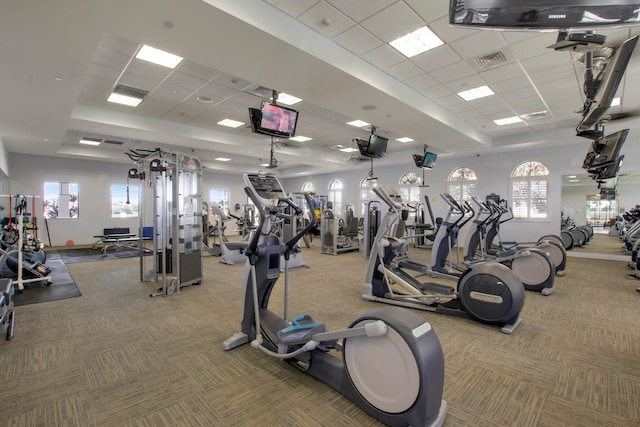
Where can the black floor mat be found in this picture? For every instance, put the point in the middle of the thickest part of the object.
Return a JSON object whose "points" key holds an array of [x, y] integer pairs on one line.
{"points": [[70, 256], [62, 285]]}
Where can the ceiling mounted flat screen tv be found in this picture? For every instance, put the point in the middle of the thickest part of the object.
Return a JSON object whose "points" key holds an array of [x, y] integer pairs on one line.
{"points": [[273, 120], [609, 171], [612, 146], [429, 160], [538, 15], [609, 80], [377, 147]]}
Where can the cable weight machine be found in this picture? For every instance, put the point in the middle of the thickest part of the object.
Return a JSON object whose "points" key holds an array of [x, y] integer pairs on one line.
{"points": [[174, 182]]}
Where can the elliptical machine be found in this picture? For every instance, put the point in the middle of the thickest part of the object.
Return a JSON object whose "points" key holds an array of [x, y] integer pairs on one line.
{"points": [[488, 292], [408, 391]]}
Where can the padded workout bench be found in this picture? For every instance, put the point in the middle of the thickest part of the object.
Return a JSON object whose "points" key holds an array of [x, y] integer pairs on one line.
{"points": [[117, 238]]}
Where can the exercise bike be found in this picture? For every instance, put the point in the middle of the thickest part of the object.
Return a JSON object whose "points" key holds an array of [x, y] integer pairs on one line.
{"points": [[391, 365], [488, 292]]}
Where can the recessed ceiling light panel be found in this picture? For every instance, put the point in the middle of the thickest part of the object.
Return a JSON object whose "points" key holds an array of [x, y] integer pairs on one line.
{"points": [[476, 93], [404, 139], [300, 138], [287, 99], [416, 42], [159, 57], [358, 123], [230, 123], [508, 121]]}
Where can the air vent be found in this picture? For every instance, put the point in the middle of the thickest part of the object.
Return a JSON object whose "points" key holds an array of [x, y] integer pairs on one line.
{"points": [[491, 60], [111, 141], [130, 91], [538, 115], [259, 91]]}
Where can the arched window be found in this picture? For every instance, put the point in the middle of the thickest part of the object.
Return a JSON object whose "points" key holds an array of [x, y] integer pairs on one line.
{"points": [[308, 187], [529, 190], [365, 192], [335, 195], [462, 184], [409, 187]]}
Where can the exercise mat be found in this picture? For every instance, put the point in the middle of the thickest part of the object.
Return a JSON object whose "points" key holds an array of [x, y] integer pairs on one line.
{"points": [[70, 256], [62, 286]]}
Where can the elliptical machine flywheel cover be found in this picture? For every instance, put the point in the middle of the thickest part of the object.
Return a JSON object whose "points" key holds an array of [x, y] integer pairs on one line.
{"points": [[491, 293]]}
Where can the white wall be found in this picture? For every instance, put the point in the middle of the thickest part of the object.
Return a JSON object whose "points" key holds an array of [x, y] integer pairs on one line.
{"points": [[28, 174]]}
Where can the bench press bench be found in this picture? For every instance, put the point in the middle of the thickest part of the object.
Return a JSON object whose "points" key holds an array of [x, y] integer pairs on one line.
{"points": [[118, 238]]}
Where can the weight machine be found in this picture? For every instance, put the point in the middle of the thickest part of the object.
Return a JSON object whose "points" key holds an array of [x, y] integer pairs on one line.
{"points": [[174, 180], [26, 251]]}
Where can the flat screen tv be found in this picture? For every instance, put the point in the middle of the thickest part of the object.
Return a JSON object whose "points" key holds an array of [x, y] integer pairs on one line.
{"points": [[606, 194], [418, 159], [610, 170], [609, 80], [377, 147], [536, 15], [611, 147], [429, 160], [594, 149], [608, 184], [274, 120]]}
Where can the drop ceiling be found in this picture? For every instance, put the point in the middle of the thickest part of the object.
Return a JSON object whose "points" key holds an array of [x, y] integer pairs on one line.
{"points": [[62, 59]]}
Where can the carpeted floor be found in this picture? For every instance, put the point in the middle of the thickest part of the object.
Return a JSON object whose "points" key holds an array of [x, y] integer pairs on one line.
{"points": [[116, 357]]}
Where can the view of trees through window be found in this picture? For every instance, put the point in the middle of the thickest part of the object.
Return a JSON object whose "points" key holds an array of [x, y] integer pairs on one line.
{"points": [[60, 200]]}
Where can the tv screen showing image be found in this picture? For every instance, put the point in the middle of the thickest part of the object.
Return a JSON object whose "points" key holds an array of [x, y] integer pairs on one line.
{"points": [[277, 120], [377, 146], [429, 160]]}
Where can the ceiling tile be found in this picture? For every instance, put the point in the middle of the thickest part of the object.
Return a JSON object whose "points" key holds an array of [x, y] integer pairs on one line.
{"points": [[446, 32], [478, 44], [393, 22], [436, 92], [111, 59], [502, 73], [186, 81], [197, 70], [533, 46], [357, 11], [326, 19], [430, 10], [404, 70], [139, 82], [465, 83], [383, 56], [421, 82], [147, 69], [358, 40], [452, 72], [436, 58], [292, 7]]}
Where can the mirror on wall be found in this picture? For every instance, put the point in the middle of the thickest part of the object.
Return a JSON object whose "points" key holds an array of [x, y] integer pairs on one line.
{"points": [[582, 202]]}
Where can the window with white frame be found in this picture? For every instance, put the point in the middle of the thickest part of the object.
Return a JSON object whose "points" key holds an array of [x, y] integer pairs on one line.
{"points": [[220, 198], [529, 189], [308, 187], [410, 187], [462, 184], [124, 201], [335, 195], [60, 200]]}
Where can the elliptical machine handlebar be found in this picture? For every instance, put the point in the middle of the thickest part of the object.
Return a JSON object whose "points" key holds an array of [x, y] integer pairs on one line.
{"points": [[252, 247]]}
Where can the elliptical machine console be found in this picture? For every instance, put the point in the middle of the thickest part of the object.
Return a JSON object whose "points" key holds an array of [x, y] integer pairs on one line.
{"points": [[406, 391]]}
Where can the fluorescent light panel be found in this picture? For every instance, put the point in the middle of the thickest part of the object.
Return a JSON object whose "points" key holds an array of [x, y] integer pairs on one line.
{"points": [[348, 149], [222, 159], [405, 139], [90, 141], [416, 42], [230, 123], [616, 101], [358, 123], [508, 121], [124, 100], [300, 138], [475, 93], [159, 57], [287, 99]]}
